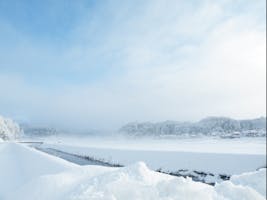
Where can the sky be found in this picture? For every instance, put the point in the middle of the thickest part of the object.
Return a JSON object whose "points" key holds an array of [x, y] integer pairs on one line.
{"points": [[100, 64]]}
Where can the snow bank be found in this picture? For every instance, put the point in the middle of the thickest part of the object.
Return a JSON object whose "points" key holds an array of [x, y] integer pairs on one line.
{"points": [[138, 182], [19, 164], [254, 180], [9, 130], [33, 175], [231, 191]]}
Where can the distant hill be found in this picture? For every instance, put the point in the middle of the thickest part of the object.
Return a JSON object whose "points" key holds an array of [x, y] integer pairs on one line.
{"points": [[211, 126], [38, 131]]}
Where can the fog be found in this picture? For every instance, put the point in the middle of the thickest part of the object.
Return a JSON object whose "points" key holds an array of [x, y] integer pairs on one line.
{"points": [[109, 66]]}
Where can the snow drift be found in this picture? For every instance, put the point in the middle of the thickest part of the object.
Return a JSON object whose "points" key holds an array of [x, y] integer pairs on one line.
{"points": [[29, 174]]}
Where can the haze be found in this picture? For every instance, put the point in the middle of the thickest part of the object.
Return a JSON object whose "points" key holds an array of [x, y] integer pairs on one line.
{"points": [[101, 64]]}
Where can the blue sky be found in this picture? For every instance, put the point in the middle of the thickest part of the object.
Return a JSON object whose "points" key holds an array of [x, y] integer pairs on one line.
{"points": [[100, 64]]}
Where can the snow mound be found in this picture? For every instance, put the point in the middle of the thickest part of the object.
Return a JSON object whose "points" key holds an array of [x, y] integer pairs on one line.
{"points": [[19, 164], [9, 130], [138, 182], [27, 174], [255, 180], [246, 186], [139, 171], [231, 191]]}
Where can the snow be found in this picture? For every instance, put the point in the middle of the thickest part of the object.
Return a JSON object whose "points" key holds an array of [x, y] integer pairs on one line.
{"points": [[19, 164], [9, 130], [198, 145], [232, 191], [211, 162], [212, 156], [28, 174], [254, 180], [138, 182]]}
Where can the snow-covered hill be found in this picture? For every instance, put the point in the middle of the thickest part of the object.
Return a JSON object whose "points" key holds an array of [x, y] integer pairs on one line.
{"points": [[9, 130], [211, 126], [32, 131]]}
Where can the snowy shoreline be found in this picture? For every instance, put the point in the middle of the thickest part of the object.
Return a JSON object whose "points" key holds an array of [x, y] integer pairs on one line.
{"points": [[30, 174], [198, 176]]}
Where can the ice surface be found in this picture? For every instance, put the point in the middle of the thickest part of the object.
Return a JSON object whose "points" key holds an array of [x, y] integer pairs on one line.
{"points": [[223, 163], [203, 145]]}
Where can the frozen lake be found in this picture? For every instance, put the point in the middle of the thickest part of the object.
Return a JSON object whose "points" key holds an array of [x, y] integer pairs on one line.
{"points": [[204, 145], [218, 156]]}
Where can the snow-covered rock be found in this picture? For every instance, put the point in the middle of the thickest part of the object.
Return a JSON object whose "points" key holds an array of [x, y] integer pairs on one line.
{"points": [[9, 130]]}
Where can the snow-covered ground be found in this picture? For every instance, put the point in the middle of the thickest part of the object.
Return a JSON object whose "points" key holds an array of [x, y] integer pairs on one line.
{"points": [[205, 144], [217, 156], [26, 173], [204, 159]]}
